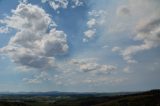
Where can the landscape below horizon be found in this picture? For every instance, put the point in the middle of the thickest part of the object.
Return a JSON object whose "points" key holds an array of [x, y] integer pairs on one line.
{"points": [[145, 98]]}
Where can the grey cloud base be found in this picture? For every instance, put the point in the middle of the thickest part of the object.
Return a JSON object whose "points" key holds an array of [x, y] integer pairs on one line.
{"points": [[32, 46]]}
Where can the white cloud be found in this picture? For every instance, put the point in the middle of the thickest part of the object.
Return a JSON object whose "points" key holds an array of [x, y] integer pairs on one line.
{"points": [[89, 34], [141, 26], [43, 76], [149, 33], [54, 43], [90, 65], [33, 46], [95, 19], [137, 24], [58, 4], [91, 23], [99, 16], [77, 3], [104, 80], [116, 49]]}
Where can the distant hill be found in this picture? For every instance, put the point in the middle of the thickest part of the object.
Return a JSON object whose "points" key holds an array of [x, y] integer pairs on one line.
{"points": [[148, 98], [57, 93]]}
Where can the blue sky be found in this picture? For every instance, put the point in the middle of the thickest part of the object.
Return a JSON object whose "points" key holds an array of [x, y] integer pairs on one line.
{"points": [[79, 45]]}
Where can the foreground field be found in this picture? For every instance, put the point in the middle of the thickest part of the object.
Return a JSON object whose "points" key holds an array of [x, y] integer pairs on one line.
{"points": [[150, 98]]}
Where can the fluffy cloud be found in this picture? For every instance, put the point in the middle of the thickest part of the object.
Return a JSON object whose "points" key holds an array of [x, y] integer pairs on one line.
{"points": [[91, 23], [57, 4], [37, 41], [89, 34], [89, 65], [95, 19], [99, 16]]}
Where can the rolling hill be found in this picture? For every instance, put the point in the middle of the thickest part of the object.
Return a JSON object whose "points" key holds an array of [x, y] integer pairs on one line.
{"points": [[148, 98]]}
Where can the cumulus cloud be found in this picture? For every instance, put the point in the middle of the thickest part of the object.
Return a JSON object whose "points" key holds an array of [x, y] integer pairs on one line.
{"points": [[89, 65], [37, 41], [91, 23], [95, 19], [98, 15], [89, 34]]}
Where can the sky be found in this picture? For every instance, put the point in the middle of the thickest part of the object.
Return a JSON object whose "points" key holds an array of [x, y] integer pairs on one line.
{"points": [[79, 45]]}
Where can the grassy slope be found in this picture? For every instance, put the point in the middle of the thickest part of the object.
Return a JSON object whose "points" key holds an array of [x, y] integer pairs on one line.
{"points": [[145, 99]]}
